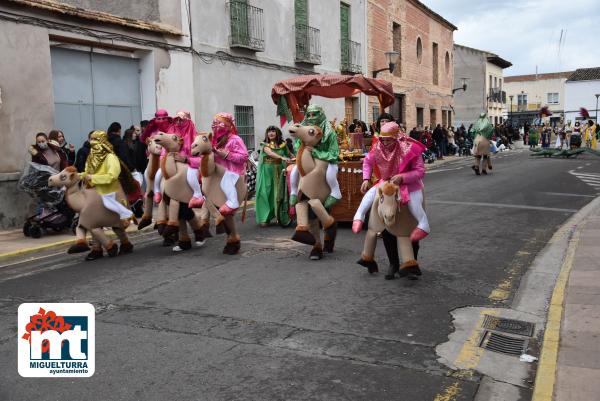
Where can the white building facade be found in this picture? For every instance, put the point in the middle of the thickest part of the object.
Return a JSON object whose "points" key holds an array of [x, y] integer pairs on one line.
{"points": [[582, 89]]}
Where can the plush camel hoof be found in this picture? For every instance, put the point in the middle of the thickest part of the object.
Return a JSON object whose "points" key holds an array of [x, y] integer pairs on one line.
{"points": [[417, 235], [206, 230], [410, 270], [157, 197], [483, 172], [371, 265], [226, 210], [221, 228], [196, 203], [199, 237], [161, 228], [316, 253], [144, 222], [232, 248], [331, 231], [183, 246], [304, 237], [113, 250], [328, 245], [95, 254], [391, 273], [125, 248], [476, 169], [357, 226], [170, 241], [170, 230], [79, 247]]}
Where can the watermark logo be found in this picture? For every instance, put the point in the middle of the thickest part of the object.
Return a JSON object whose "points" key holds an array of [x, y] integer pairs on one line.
{"points": [[56, 340]]}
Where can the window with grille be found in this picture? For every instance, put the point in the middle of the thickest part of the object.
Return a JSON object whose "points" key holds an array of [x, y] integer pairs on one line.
{"points": [[435, 63], [244, 119], [553, 98], [397, 46]]}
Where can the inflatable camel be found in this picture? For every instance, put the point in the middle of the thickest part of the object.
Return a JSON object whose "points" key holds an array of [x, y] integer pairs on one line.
{"points": [[388, 214], [154, 151], [312, 192], [211, 174], [93, 216], [178, 191]]}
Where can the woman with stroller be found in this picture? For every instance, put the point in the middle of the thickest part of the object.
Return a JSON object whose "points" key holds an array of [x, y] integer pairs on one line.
{"points": [[68, 148], [47, 153], [270, 181]]}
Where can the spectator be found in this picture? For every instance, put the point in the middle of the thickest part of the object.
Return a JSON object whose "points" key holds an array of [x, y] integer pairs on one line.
{"points": [[414, 134], [128, 139], [438, 139], [140, 159], [452, 148], [119, 147], [47, 153], [68, 148], [82, 154]]}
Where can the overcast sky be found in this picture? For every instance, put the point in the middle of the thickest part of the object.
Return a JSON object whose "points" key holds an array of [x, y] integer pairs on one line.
{"points": [[527, 32]]}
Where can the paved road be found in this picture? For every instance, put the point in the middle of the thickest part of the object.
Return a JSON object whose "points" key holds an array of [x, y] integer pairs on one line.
{"points": [[270, 325]]}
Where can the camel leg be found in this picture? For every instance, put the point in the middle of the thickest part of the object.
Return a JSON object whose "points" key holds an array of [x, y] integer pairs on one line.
{"points": [[204, 216], [328, 222], [184, 243], [317, 251], [173, 223], [233, 244], [111, 248], [302, 233], [409, 267], [146, 219], [220, 226], [80, 244], [161, 218], [367, 259], [199, 228], [126, 245]]}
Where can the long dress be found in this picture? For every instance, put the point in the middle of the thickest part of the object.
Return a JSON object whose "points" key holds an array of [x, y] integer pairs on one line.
{"points": [[270, 184]]}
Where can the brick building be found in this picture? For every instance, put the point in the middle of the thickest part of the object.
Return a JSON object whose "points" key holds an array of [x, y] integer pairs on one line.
{"points": [[423, 76]]}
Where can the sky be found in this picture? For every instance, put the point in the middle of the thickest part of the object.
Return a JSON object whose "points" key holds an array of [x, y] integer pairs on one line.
{"points": [[527, 32]]}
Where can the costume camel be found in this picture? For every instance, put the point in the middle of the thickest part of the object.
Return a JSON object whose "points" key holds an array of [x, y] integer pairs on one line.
{"points": [[93, 216], [178, 191], [211, 174], [312, 192], [388, 214], [154, 151]]}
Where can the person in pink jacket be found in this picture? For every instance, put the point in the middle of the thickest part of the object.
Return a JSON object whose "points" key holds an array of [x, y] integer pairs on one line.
{"points": [[396, 158], [231, 153]]}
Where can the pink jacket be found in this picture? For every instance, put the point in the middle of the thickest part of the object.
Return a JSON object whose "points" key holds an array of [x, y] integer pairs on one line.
{"points": [[236, 157]]}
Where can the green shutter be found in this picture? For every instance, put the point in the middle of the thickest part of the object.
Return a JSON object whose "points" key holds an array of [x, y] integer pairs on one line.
{"points": [[301, 19], [240, 31], [345, 33]]}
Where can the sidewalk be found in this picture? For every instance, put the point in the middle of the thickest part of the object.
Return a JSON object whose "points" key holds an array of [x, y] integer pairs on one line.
{"points": [[578, 373]]}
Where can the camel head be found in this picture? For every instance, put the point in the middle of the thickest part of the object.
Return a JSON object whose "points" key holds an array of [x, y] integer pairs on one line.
{"points": [[387, 196], [171, 142], [154, 148], [309, 135], [66, 178], [202, 143]]}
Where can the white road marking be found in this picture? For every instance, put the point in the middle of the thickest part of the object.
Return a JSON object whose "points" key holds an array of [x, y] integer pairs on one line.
{"points": [[502, 205], [565, 194], [591, 179]]}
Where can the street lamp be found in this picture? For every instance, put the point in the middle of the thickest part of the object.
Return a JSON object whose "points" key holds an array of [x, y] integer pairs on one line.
{"points": [[392, 59], [597, 96], [463, 86]]}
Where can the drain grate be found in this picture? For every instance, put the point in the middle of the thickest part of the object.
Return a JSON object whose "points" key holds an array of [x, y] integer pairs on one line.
{"points": [[503, 344], [508, 325]]}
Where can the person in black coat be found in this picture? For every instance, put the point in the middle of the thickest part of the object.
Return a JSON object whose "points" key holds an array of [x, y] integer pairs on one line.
{"points": [[119, 147], [82, 155], [140, 156]]}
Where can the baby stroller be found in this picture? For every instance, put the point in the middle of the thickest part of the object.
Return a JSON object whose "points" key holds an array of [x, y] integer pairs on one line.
{"points": [[52, 211]]}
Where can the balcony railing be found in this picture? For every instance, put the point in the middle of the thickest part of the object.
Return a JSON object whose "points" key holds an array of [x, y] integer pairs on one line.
{"points": [[351, 57], [247, 29], [308, 44]]}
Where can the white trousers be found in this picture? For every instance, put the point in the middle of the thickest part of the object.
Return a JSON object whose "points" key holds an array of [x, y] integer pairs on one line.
{"points": [[415, 206], [192, 180], [228, 186], [111, 203], [330, 177]]}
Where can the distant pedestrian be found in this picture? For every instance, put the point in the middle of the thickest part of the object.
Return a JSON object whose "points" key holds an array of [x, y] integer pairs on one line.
{"points": [[119, 147]]}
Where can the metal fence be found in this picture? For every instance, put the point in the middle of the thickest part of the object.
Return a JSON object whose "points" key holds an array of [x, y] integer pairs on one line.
{"points": [[308, 44], [244, 119], [351, 57], [247, 29]]}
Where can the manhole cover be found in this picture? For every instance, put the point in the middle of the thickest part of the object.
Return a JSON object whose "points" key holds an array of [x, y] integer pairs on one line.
{"points": [[502, 343], [508, 325]]}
